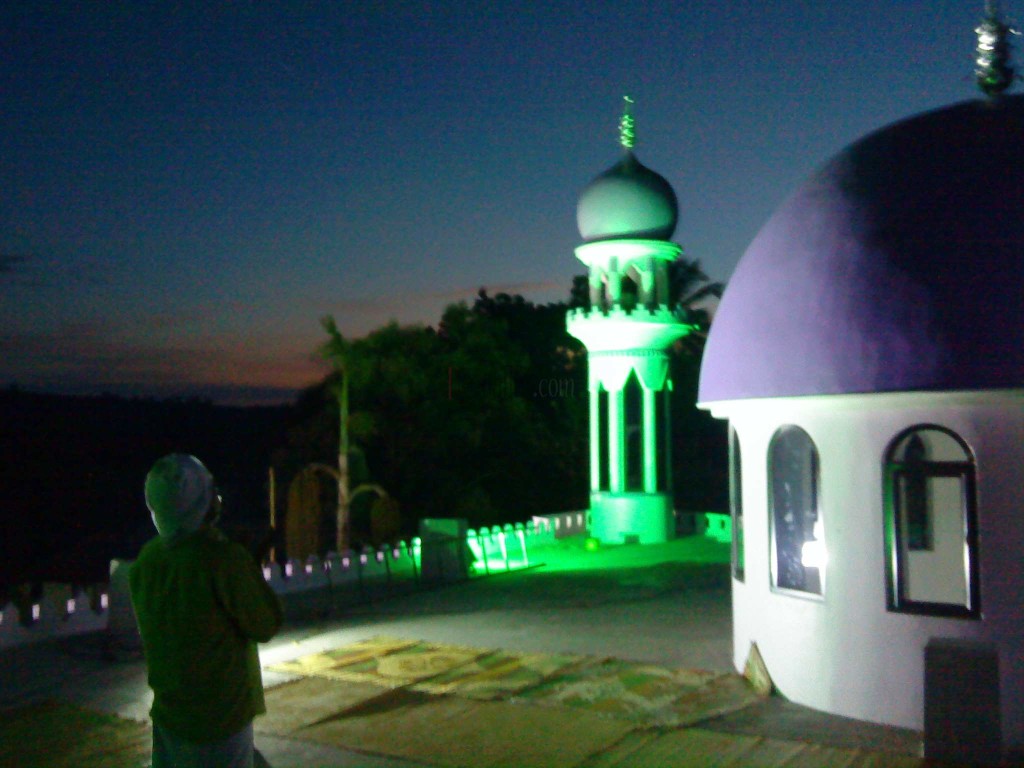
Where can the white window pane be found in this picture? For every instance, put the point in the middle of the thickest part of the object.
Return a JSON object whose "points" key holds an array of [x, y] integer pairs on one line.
{"points": [[939, 575]]}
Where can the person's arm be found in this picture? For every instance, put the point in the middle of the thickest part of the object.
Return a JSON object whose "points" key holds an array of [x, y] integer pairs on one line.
{"points": [[246, 596]]}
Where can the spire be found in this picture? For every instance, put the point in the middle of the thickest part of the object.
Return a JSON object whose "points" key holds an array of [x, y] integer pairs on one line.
{"points": [[627, 134], [993, 71]]}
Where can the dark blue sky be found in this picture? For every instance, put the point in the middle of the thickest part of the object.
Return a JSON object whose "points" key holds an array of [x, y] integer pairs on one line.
{"points": [[186, 188]]}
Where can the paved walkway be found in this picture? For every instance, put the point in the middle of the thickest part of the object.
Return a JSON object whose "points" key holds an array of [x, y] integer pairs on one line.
{"points": [[666, 605]]}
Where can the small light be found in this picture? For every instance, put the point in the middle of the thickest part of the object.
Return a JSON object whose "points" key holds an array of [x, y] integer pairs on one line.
{"points": [[288, 570], [813, 554], [309, 568], [266, 573], [35, 612], [104, 601], [362, 559], [397, 553], [71, 605], [380, 557], [345, 562]]}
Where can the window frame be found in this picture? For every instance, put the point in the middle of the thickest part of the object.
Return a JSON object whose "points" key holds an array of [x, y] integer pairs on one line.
{"points": [[737, 547], [772, 538], [896, 598]]}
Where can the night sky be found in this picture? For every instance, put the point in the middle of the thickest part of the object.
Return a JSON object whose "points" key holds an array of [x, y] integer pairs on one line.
{"points": [[186, 188]]}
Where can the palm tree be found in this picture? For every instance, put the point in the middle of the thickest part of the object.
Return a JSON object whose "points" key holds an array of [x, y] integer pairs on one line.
{"points": [[689, 285], [337, 351]]}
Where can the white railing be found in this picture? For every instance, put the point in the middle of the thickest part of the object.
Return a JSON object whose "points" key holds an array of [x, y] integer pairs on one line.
{"points": [[560, 525], [58, 612]]}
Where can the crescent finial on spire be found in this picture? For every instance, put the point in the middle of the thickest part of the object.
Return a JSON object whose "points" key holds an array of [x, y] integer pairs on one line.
{"points": [[627, 131], [993, 71]]}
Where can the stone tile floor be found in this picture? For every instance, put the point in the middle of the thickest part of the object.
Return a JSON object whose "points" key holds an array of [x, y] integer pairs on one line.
{"points": [[662, 604]]}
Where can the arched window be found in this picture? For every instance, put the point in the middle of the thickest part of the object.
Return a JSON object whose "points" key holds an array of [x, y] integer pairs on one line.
{"points": [[797, 535], [663, 424], [736, 506], [931, 524]]}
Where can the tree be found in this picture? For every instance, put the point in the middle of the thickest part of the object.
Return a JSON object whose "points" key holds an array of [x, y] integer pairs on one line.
{"points": [[699, 476], [688, 288], [338, 353]]}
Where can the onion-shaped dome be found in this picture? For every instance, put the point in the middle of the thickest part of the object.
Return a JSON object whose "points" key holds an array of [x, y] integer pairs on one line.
{"points": [[899, 266], [629, 200]]}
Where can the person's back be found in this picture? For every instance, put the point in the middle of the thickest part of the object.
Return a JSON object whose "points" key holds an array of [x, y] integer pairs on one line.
{"points": [[202, 605]]}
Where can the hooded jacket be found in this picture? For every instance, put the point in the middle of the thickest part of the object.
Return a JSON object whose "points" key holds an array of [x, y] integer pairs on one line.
{"points": [[202, 604]]}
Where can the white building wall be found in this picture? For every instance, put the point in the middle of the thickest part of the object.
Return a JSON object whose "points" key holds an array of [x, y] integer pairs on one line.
{"points": [[845, 653]]}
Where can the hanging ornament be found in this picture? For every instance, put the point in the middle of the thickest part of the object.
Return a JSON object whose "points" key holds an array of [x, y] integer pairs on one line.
{"points": [[993, 70]]}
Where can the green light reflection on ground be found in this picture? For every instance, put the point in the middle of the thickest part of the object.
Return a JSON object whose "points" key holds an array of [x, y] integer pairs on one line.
{"points": [[572, 554]]}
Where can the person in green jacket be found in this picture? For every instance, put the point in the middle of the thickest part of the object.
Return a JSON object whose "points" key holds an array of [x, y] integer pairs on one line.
{"points": [[202, 604]]}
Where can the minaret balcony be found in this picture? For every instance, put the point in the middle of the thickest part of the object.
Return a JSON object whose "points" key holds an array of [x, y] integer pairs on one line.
{"points": [[620, 329]]}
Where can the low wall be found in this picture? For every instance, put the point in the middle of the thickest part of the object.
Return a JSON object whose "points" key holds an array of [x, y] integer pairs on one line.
{"points": [[560, 525], [349, 576], [60, 611], [714, 525]]}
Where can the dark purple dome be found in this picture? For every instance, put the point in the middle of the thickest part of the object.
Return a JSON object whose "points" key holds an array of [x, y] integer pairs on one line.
{"points": [[899, 266]]}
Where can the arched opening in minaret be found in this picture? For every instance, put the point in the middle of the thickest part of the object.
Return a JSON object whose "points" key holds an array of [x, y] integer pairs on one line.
{"points": [[663, 424], [630, 290], [634, 416]]}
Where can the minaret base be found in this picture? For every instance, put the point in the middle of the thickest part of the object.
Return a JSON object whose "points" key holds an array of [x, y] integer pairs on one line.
{"points": [[620, 518]]}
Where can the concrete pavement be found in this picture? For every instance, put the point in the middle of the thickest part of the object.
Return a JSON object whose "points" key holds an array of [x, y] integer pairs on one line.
{"points": [[661, 604]]}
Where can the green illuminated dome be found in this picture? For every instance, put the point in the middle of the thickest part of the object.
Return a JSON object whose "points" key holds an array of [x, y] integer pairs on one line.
{"points": [[629, 200]]}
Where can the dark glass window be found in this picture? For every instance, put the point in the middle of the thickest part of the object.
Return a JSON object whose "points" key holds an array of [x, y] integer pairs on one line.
{"points": [[915, 494], [736, 506], [931, 525], [797, 539]]}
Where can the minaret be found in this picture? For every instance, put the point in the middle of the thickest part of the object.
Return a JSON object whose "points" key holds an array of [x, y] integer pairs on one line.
{"points": [[992, 65], [626, 217]]}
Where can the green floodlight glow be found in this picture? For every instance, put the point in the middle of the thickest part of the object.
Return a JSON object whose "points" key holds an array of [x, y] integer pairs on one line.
{"points": [[498, 552], [416, 550], [642, 517], [592, 544]]}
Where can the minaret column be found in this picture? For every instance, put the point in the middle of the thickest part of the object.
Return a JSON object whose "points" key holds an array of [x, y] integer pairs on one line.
{"points": [[614, 283], [596, 290], [661, 282], [667, 426], [648, 295], [595, 438]]}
